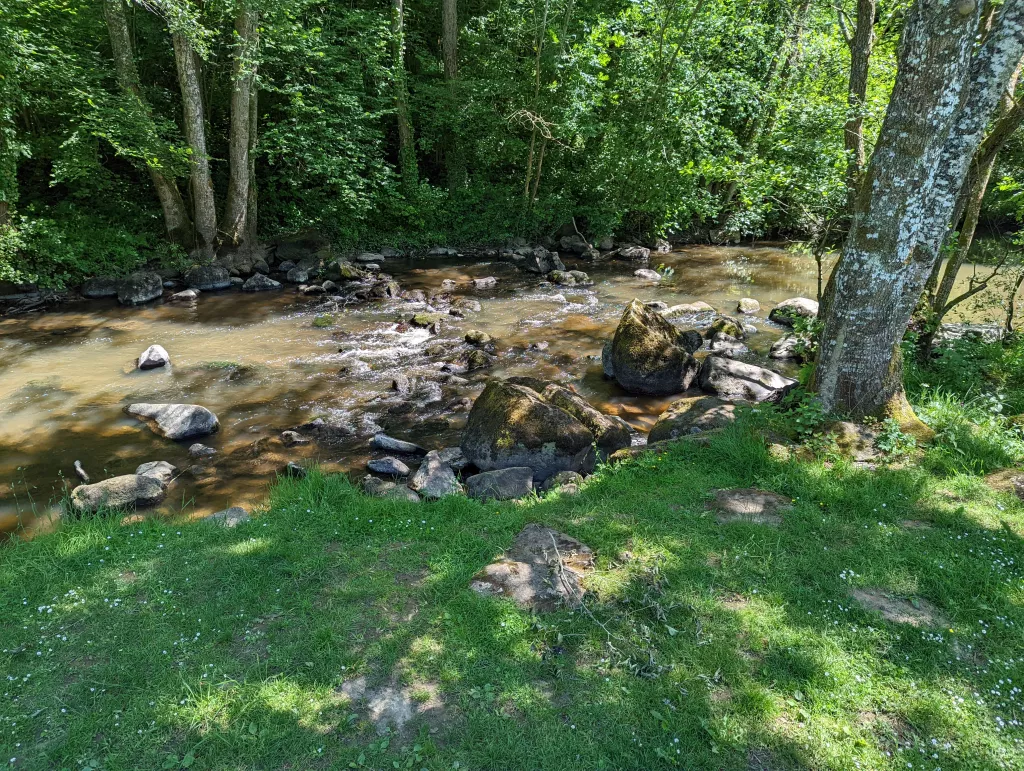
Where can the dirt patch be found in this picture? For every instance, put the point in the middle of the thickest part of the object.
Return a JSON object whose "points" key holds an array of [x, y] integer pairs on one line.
{"points": [[913, 611], [760, 759], [915, 524], [750, 504], [721, 695], [541, 570], [413, 578], [890, 731], [1007, 480], [397, 707], [734, 602]]}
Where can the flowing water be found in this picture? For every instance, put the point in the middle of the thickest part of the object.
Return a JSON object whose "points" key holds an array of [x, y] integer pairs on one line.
{"points": [[262, 365]]}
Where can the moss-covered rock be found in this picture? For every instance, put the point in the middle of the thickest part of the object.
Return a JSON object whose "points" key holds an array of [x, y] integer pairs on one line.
{"points": [[511, 425], [727, 325], [787, 311], [611, 432], [648, 356], [691, 416]]}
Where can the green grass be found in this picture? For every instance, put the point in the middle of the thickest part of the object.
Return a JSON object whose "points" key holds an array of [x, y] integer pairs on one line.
{"points": [[168, 645]]}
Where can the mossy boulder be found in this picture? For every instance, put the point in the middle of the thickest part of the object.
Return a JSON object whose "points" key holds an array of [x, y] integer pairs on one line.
{"points": [[692, 416], [788, 311], [139, 288], [512, 426], [726, 325], [648, 356], [611, 432]]}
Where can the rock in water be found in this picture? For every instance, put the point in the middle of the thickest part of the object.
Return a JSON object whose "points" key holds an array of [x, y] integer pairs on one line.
{"points": [[153, 357], [735, 381], [726, 325], [787, 311], [297, 275], [139, 288], [748, 305], [787, 347], [177, 421], [727, 345], [691, 416], [207, 278], [511, 425], [185, 296], [99, 287], [434, 478], [611, 432], [505, 484], [160, 470], [632, 252], [200, 450], [260, 283], [390, 466], [389, 444], [232, 517], [648, 356], [540, 571], [120, 492]]}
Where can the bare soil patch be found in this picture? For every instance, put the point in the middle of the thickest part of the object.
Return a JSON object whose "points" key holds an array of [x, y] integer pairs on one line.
{"points": [[397, 707], [913, 611], [750, 504]]}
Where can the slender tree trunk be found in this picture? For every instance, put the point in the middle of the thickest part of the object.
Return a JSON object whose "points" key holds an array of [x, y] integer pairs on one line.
{"points": [[251, 204], [176, 219], [455, 164], [941, 103], [234, 228], [539, 49], [406, 138], [540, 166], [204, 211], [861, 44]]}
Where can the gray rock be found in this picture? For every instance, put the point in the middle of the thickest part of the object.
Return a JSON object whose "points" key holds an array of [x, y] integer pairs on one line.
{"points": [[292, 439], [574, 243], [285, 266], [259, 282], [727, 345], [606, 244], [787, 311], [647, 354], [698, 308], [611, 433], [454, 457], [647, 274], [748, 305], [232, 517], [736, 381], [153, 357], [725, 325], [661, 246], [199, 450], [184, 296], [260, 266], [237, 282], [139, 288], [607, 365], [691, 340], [100, 287], [691, 416], [389, 444], [160, 470], [177, 421], [635, 253], [297, 275], [786, 348], [565, 483], [434, 478], [294, 470], [505, 484], [207, 278], [389, 252], [329, 286], [389, 466], [759, 507], [369, 257], [476, 337], [489, 282], [121, 492], [401, 493]]}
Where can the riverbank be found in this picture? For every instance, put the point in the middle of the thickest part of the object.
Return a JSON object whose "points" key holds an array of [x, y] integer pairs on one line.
{"points": [[307, 635]]}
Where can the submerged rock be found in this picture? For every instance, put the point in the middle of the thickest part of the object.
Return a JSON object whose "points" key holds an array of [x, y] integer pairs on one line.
{"points": [[199, 450], [737, 381], [121, 492], [153, 357], [177, 421], [434, 478], [647, 354], [139, 288], [690, 416], [787, 311], [505, 484], [184, 296]]}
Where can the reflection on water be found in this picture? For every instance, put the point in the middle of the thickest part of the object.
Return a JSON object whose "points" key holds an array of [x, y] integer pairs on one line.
{"points": [[258, 361]]}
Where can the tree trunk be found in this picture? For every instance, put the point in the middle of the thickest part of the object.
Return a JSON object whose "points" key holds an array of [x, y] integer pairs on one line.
{"points": [[176, 219], [406, 138], [204, 212], [941, 103], [455, 164], [251, 207], [861, 44], [234, 228]]}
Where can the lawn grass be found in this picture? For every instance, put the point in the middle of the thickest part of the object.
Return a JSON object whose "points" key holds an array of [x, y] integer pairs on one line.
{"points": [[163, 645]]}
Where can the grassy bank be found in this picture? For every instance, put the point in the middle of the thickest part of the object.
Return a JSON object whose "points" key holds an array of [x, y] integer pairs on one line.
{"points": [[160, 645]]}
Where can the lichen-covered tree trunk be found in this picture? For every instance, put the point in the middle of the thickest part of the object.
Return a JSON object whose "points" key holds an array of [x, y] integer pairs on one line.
{"points": [[454, 162], [406, 139], [176, 219], [234, 228], [204, 211], [941, 103], [251, 220], [861, 43]]}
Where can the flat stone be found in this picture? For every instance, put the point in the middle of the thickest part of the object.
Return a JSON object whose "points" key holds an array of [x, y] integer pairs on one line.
{"points": [[390, 466], [232, 517], [184, 296], [698, 308], [692, 416], [153, 357], [737, 381], [501, 485], [122, 492], [199, 450], [390, 444], [749, 505], [177, 421], [160, 470]]}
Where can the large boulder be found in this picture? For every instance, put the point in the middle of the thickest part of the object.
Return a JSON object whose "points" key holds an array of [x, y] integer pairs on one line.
{"points": [[725, 325], [736, 381], [635, 253], [177, 421], [100, 287], [611, 432], [787, 311], [542, 261], [505, 484], [259, 282], [121, 492], [511, 425], [139, 288], [207, 278], [648, 356], [691, 416], [434, 478]]}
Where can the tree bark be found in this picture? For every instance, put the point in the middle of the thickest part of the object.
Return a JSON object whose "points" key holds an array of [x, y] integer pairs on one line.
{"points": [[455, 165], [176, 219], [204, 212], [941, 103], [234, 228], [861, 43], [251, 209], [406, 137]]}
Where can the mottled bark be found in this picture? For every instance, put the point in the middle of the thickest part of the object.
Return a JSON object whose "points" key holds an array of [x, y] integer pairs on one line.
{"points": [[455, 164], [204, 212], [861, 43], [406, 138], [233, 229], [250, 217], [941, 103], [176, 219]]}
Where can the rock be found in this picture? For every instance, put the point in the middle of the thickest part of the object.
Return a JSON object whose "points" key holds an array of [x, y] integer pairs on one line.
{"points": [[647, 274], [139, 288], [389, 253], [369, 257], [388, 444], [476, 337], [185, 296], [786, 347], [698, 308], [207, 278], [259, 282], [153, 357], [661, 246], [311, 289], [297, 275], [285, 266], [565, 483], [635, 253], [725, 325], [453, 457], [488, 282], [232, 517], [505, 484], [691, 416], [121, 492], [199, 450], [611, 433], [581, 278], [727, 345], [401, 493], [647, 356], [540, 571], [573, 243], [748, 305], [542, 261], [343, 270], [854, 440], [389, 466], [656, 305], [292, 439], [237, 282], [401, 383], [606, 244], [561, 277], [511, 425], [607, 365], [749, 505], [260, 265], [100, 287], [177, 421], [329, 286], [477, 359], [160, 470], [787, 311], [736, 381], [442, 251], [426, 319], [691, 340], [294, 470], [466, 304], [434, 478]]}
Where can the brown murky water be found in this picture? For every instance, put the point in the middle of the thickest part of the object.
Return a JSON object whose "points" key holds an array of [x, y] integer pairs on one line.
{"points": [[262, 366]]}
